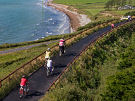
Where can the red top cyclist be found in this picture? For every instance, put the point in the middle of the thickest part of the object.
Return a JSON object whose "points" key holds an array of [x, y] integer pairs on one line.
{"points": [[23, 81]]}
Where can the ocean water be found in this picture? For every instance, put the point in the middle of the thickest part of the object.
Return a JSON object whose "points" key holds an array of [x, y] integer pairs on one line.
{"points": [[28, 20]]}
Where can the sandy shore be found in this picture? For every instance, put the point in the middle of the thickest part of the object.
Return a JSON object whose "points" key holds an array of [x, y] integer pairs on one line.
{"points": [[76, 19]]}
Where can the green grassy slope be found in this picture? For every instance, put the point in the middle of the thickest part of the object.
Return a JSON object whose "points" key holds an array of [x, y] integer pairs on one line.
{"points": [[106, 68], [88, 7], [11, 61], [73, 2]]}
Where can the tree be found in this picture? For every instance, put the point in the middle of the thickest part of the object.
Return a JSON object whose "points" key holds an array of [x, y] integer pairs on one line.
{"points": [[109, 4], [130, 2]]}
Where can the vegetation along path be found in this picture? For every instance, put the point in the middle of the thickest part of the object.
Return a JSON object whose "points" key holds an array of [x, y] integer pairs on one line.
{"points": [[39, 83]]}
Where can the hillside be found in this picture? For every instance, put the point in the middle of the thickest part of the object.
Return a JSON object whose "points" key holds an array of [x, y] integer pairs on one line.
{"points": [[105, 72]]}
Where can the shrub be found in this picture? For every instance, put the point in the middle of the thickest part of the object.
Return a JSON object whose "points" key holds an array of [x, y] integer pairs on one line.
{"points": [[132, 13], [121, 87], [68, 92]]}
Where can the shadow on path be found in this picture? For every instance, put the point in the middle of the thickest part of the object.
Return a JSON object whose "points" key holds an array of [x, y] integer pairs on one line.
{"points": [[34, 93]]}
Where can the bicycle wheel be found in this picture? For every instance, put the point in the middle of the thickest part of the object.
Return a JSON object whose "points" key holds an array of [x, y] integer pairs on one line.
{"points": [[47, 71], [60, 53], [27, 89], [21, 92]]}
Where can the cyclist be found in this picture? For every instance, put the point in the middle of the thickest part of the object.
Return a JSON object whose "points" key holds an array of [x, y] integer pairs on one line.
{"points": [[23, 83], [62, 45], [50, 68], [129, 17], [112, 25], [47, 54]]}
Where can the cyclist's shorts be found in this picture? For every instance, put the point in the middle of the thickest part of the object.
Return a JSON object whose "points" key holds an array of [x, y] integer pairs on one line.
{"points": [[61, 49], [24, 87]]}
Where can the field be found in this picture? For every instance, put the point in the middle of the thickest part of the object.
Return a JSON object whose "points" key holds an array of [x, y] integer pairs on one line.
{"points": [[116, 12], [88, 7], [75, 2], [11, 61], [93, 8]]}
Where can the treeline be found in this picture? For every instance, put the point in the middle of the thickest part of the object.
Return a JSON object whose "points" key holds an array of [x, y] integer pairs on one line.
{"points": [[117, 3], [111, 57]]}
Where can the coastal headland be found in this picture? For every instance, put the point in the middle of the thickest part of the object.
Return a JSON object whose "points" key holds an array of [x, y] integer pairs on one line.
{"points": [[76, 20]]}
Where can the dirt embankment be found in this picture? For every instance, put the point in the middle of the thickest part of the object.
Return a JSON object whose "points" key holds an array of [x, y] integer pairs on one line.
{"points": [[76, 19]]}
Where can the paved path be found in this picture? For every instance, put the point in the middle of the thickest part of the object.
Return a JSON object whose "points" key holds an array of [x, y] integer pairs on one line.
{"points": [[39, 83], [25, 47]]}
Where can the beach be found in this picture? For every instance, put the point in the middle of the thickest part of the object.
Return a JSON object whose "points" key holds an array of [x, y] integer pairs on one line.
{"points": [[76, 20]]}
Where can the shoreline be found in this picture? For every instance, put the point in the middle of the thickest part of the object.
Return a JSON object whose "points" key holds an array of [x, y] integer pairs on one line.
{"points": [[76, 20]]}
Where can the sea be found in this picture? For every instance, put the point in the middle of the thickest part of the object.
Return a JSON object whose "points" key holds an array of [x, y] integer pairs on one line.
{"points": [[29, 20]]}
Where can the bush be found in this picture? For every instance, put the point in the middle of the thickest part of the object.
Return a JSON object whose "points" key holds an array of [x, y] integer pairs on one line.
{"points": [[68, 92], [121, 87], [132, 13]]}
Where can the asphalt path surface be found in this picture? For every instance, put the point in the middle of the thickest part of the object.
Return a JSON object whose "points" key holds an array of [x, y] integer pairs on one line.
{"points": [[39, 82], [25, 47]]}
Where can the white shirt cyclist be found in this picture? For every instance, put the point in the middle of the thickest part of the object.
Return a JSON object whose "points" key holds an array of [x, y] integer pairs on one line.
{"points": [[49, 63]]}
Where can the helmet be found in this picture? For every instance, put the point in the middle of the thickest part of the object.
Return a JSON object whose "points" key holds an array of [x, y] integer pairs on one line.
{"points": [[61, 40], [48, 49], [23, 76]]}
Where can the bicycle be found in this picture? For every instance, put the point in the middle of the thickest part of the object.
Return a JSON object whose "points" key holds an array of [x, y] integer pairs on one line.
{"points": [[23, 91], [49, 71], [62, 51], [61, 47]]}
